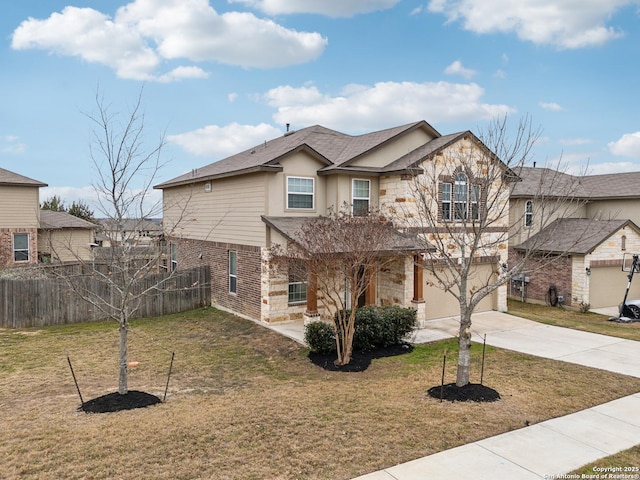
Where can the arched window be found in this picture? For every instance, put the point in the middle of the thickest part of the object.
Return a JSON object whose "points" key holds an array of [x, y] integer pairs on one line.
{"points": [[460, 196], [528, 213]]}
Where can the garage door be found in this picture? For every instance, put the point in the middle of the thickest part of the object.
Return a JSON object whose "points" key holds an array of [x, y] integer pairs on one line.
{"points": [[607, 286], [440, 304]]}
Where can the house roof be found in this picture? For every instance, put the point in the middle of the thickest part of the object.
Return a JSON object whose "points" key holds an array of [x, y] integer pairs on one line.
{"points": [[548, 183], [574, 235], [50, 220], [290, 228], [334, 149], [552, 183], [10, 178], [132, 224]]}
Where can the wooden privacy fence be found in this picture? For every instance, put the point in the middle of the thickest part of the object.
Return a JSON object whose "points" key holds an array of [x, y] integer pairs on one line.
{"points": [[50, 301]]}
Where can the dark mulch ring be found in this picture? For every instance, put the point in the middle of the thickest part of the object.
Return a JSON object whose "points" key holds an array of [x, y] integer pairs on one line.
{"points": [[115, 402], [360, 361], [472, 392]]}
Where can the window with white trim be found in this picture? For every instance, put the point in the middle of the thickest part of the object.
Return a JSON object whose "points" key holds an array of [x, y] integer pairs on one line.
{"points": [[300, 192], [21, 247], [297, 289], [233, 272], [445, 192], [475, 202], [460, 196], [528, 213], [360, 196]]}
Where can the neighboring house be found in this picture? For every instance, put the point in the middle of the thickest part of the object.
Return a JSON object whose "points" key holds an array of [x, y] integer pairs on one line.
{"points": [[63, 237], [19, 219], [134, 232], [229, 213], [600, 228]]}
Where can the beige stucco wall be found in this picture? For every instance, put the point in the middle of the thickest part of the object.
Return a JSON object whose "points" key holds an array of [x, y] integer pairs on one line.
{"points": [[230, 212], [19, 207], [617, 209], [544, 213], [384, 155], [66, 245]]}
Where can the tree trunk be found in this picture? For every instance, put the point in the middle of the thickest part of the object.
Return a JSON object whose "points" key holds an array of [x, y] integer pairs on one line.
{"points": [[122, 377], [464, 351]]}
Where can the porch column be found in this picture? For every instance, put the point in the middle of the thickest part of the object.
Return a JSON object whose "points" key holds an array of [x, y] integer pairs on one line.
{"points": [[312, 295], [418, 279]]}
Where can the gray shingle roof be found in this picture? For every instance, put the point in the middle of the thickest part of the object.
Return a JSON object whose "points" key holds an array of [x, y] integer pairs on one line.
{"points": [[613, 185], [334, 148], [10, 178], [290, 227], [547, 182], [574, 235], [50, 220]]}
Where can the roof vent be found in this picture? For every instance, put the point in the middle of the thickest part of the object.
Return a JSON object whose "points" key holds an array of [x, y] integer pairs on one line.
{"points": [[289, 132]]}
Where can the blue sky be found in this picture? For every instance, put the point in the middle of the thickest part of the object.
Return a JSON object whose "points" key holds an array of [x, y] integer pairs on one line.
{"points": [[221, 76]]}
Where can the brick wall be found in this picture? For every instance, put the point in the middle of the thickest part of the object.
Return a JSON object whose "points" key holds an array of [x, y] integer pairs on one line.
{"points": [[246, 301], [557, 272], [6, 246]]}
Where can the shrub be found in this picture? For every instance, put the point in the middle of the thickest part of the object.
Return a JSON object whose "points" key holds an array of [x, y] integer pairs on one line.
{"points": [[320, 337]]}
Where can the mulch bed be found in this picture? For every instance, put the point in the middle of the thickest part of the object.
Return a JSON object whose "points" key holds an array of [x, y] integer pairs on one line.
{"points": [[472, 392], [115, 402], [360, 361]]}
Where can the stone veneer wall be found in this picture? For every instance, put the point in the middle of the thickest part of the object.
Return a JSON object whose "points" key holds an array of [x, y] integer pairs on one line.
{"points": [[246, 301], [6, 246]]}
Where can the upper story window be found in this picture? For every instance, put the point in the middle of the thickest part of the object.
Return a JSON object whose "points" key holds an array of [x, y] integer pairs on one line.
{"points": [[460, 200], [21, 247], [623, 244], [300, 192], [528, 213], [460, 197], [360, 196], [445, 193]]}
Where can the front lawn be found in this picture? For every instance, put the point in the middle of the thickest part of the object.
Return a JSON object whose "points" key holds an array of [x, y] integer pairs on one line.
{"points": [[246, 403]]}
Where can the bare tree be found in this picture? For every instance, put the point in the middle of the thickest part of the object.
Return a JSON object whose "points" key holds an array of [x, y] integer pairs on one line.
{"points": [[460, 209], [126, 169], [340, 255]]}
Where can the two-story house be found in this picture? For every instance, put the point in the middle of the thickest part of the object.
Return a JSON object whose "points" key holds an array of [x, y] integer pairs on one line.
{"points": [[229, 213], [19, 219], [591, 234]]}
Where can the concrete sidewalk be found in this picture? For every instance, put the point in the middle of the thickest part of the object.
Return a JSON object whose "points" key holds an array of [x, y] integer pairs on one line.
{"points": [[547, 449]]}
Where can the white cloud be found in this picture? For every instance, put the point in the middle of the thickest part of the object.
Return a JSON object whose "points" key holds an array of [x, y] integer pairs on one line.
{"points": [[608, 167], [362, 108], [562, 23], [417, 11], [232, 97], [552, 106], [330, 8], [456, 68], [216, 141], [145, 33], [12, 144], [500, 73], [576, 141], [627, 146]]}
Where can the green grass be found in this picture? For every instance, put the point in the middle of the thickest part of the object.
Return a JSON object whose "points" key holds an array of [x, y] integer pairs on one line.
{"points": [[568, 318], [245, 402]]}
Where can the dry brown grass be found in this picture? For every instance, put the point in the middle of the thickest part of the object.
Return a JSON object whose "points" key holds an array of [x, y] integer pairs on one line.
{"points": [[246, 403], [565, 317]]}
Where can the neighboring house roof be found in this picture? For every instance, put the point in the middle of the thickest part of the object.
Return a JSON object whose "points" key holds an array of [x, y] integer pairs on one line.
{"points": [[335, 149], [290, 227], [552, 183], [574, 235], [50, 220], [546, 182], [132, 224], [10, 178]]}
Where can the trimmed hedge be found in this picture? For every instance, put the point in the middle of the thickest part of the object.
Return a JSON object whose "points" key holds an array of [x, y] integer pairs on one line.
{"points": [[375, 327]]}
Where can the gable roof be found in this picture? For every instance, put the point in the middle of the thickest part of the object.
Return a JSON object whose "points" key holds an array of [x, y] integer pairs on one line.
{"points": [[613, 185], [574, 235], [13, 179], [334, 149], [50, 220]]}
